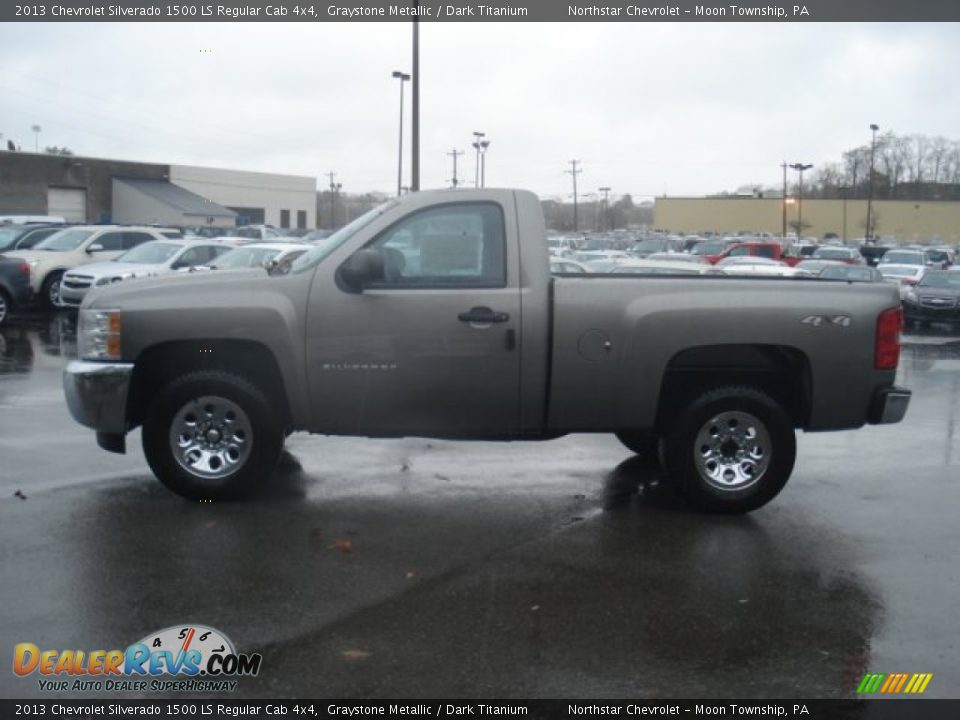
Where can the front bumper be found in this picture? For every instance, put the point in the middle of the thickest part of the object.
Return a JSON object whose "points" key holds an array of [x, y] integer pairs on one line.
{"points": [[889, 406], [926, 313], [96, 394]]}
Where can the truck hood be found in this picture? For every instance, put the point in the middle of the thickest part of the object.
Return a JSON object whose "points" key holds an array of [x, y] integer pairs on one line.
{"points": [[118, 269], [181, 290]]}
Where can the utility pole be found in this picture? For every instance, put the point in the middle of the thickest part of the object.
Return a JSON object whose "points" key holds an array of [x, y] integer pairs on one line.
{"points": [[783, 201], [476, 146], [574, 172], [800, 167], [873, 147], [606, 207], [454, 153]]}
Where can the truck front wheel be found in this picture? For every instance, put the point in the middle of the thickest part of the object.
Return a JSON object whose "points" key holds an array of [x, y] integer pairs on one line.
{"points": [[212, 435], [731, 450]]}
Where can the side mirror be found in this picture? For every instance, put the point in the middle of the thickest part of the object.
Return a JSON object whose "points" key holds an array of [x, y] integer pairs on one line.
{"points": [[361, 268], [96, 247]]}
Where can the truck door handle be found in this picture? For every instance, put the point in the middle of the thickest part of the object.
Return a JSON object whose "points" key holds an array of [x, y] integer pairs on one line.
{"points": [[482, 315]]}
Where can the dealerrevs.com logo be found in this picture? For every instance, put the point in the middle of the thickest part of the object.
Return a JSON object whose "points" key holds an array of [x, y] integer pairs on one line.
{"points": [[187, 658]]}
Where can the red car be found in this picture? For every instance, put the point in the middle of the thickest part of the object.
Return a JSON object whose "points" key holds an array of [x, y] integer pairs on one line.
{"points": [[769, 250]]}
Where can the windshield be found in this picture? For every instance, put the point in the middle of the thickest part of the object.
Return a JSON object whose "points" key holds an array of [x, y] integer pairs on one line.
{"points": [[941, 280], [847, 272], [899, 256], [151, 253], [8, 236], [707, 248], [246, 257], [327, 245], [64, 240], [651, 245], [833, 253]]}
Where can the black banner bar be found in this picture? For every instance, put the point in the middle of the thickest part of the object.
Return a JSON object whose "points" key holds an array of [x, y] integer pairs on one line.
{"points": [[487, 11], [887, 709]]}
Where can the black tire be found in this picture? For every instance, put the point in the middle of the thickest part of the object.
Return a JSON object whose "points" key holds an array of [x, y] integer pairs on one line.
{"points": [[5, 306], [260, 445], [640, 443], [714, 462], [51, 285]]}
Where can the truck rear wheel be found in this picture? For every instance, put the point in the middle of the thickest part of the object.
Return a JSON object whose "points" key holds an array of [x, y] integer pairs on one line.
{"points": [[731, 450], [212, 435]]}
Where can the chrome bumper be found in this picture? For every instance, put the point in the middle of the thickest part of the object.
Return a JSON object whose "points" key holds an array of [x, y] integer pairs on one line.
{"points": [[889, 406], [96, 394]]}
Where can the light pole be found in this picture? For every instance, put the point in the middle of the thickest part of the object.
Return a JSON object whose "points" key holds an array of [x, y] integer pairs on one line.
{"points": [[873, 148], [484, 144], [476, 146], [403, 77], [415, 129], [800, 167], [334, 188], [36, 129]]}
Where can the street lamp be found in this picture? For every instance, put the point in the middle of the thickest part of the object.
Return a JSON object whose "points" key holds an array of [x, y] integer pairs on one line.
{"points": [[334, 189], [873, 148], [800, 167], [36, 129], [403, 77], [484, 144], [476, 146]]}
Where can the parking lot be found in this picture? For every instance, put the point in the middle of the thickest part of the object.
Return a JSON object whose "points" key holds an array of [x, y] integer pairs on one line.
{"points": [[423, 568]]}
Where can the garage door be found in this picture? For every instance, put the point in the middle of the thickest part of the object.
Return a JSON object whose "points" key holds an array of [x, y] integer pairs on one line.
{"points": [[70, 203]]}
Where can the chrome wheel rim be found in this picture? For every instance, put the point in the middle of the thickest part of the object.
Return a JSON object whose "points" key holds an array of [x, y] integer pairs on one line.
{"points": [[3, 308], [210, 437], [732, 451]]}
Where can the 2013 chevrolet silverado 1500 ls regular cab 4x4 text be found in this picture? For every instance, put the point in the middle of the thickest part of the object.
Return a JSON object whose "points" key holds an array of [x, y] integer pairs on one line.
{"points": [[436, 315]]}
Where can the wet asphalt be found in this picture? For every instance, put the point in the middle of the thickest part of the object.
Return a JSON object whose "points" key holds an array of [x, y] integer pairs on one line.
{"points": [[419, 568]]}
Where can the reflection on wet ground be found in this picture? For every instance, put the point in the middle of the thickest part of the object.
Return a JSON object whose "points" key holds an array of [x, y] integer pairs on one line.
{"points": [[413, 568]]}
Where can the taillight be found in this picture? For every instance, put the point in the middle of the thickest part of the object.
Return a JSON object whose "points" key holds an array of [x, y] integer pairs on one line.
{"points": [[886, 348], [24, 268]]}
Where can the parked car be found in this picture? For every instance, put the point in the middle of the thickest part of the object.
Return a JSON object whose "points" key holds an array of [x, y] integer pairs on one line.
{"points": [[561, 246], [560, 265], [30, 219], [77, 245], [649, 246], [480, 342], [711, 250], [851, 256], [935, 298], [316, 235], [587, 256], [815, 266], [850, 273], [767, 250], [919, 257], [679, 257], [156, 257], [761, 267], [650, 266], [941, 257], [24, 237], [905, 276], [15, 289], [255, 255]]}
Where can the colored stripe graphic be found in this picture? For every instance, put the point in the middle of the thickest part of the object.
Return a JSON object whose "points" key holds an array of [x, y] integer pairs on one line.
{"points": [[894, 683]]}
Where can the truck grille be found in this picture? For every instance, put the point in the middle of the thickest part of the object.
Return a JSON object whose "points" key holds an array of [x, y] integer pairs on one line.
{"points": [[77, 282], [938, 302]]}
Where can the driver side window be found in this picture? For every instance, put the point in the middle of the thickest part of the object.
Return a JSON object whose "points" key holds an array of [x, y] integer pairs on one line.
{"points": [[459, 245]]}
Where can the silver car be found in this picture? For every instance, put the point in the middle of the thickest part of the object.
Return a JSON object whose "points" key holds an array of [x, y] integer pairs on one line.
{"points": [[153, 258]]}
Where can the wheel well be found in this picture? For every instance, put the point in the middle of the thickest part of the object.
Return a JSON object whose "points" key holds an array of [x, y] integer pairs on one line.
{"points": [[782, 372], [159, 364]]}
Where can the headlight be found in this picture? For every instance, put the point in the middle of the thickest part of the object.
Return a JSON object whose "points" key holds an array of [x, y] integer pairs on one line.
{"points": [[103, 281], [98, 334]]}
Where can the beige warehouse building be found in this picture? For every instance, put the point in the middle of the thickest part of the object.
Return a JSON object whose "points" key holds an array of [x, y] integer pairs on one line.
{"points": [[907, 220]]}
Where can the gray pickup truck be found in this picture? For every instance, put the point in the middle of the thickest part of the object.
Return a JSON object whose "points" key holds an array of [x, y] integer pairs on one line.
{"points": [[436, 315]]}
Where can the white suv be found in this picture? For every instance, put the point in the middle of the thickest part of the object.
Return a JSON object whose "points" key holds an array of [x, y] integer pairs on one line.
{"points": [[78, 245]]}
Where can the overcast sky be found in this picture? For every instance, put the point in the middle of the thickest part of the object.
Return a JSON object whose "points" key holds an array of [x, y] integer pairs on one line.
{"points": [[649, 109]]}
